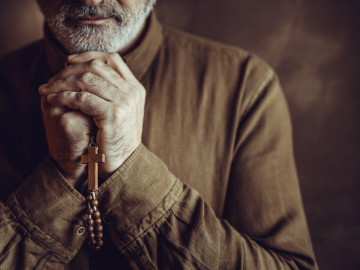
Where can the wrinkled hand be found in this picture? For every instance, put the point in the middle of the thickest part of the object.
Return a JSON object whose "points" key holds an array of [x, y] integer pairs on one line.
{"points": [[101, 86], [68, 134]]}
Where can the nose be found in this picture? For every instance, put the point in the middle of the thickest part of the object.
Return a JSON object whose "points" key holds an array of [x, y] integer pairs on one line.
{"points": [[91, 3]]}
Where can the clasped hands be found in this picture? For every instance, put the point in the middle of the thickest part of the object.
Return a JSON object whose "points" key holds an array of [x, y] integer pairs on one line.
{"points": [[97, 91]]}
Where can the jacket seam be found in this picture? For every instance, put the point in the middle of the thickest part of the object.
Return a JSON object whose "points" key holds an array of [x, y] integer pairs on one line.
{"points": [[127, 164], [144, 254], [154, 223], [186, 255], [257, 91], [43, 260]]}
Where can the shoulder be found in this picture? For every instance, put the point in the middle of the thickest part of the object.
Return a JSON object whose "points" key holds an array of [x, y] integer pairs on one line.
{"points": [[20, 69], [21, 59], [175, 38], [231, 69], [231, 63], [200, 47], [19, 72]]}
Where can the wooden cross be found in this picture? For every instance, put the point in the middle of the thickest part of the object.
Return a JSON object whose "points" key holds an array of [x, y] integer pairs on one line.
{"points": [[92, 159]]}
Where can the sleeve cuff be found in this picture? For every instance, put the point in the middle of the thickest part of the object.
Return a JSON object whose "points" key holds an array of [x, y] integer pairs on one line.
{"points": [[51, 210], [137, 195]]}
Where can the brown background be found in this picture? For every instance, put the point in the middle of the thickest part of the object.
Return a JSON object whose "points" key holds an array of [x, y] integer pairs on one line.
{"points": [[314, 47]]}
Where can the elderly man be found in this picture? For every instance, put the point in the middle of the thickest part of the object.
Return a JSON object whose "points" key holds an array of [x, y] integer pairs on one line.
{"points": [[199, 170]]}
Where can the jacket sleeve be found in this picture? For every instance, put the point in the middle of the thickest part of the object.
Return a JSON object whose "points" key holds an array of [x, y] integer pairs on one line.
{"points": [[41, 223], [157, 222]]}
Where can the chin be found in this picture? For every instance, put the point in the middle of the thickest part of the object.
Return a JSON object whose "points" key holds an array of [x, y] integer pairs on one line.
{"points": [[90, 38]]}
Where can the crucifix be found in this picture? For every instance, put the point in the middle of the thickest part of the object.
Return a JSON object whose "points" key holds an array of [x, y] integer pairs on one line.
{"points": [[94, 226], [93, 158]]}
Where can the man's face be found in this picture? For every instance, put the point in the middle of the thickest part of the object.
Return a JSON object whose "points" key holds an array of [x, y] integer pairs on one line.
{"points": [[109, 26]]}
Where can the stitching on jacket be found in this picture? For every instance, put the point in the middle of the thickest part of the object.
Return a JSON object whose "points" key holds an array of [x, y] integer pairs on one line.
{"points": [[147, 259], [9, 247], [140, 227], [36, 228], [128, 163], [257, 90], [43, 261], [183, 251]]}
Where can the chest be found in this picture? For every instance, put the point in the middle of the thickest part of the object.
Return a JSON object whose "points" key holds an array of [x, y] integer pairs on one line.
{"points": [[189, 129]]}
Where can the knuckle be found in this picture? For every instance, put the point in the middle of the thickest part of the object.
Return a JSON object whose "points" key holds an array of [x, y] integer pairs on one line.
{"points": [[142, 92], [132, 102], [120, 112], [54, 112], [66, 94], [64, 72], [101, 91], [138, 93], [70, 79], [85, 77], [81, 97], [56, 83], [96, 63], [61, 73], [55, 86]]}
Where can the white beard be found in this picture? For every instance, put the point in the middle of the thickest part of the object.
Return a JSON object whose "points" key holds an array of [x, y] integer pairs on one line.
{"points": [[108, 38]]}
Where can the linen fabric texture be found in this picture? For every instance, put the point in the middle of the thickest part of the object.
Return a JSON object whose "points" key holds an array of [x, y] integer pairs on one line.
{"points": [[212, 186]]}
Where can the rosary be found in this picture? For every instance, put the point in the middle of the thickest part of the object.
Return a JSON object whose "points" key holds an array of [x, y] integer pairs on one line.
{"points": [[94, 226]]}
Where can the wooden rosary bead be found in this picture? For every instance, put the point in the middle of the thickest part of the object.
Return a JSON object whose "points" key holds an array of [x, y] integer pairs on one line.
{"points": [[91, 221], [97, 213], [98, 220], [95, 202], [92, 241], [94, 217]]}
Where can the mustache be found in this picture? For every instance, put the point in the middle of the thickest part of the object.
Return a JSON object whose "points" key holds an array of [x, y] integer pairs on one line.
{"points": [[102, 11]]}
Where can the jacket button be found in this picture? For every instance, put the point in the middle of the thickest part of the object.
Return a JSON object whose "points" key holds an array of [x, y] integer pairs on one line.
{"points": [[107, 219], [80, 230]]}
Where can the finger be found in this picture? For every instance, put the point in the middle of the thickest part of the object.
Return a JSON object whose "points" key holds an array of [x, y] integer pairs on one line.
{"points": [[86, 82], [77, 124], [113, 60], [86, 102], [52, 111], [95, 66]]}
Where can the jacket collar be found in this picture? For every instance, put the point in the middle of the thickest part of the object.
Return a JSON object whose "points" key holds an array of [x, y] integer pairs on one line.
{"points": [[138, 59]]}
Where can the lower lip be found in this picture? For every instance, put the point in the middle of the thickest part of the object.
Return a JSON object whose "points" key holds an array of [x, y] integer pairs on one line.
{"points": [[95, 21]]}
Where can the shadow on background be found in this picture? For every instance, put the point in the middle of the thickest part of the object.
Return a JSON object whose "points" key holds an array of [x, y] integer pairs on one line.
{"points": [[314, 47]]}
